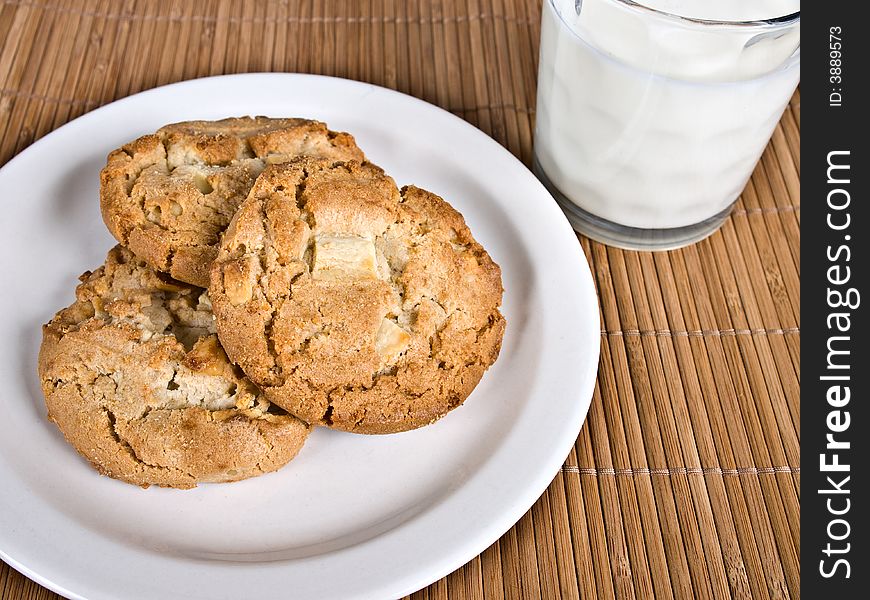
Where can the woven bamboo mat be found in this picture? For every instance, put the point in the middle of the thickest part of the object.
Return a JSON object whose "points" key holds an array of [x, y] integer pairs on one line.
{"points": [[685, 480]]}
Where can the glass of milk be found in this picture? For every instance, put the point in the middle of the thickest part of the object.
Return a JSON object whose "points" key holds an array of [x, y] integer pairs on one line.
{"points": [[652, 115]]}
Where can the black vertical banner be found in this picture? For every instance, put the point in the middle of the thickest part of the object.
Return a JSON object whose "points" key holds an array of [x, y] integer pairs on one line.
{"points": [[835, 227]]}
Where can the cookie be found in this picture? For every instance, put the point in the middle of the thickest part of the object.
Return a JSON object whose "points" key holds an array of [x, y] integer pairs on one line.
{"points": [[353, 304], [169, 196], [134, 377]]}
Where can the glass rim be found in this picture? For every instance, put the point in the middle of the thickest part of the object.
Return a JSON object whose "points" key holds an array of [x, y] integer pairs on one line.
{"points": [[780, 21], [765, 26]]}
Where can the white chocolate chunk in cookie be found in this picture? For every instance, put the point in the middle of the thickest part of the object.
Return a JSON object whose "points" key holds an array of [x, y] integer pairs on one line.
{"points": [[198, 175], [238, 282], [391, 341], [344, 257], [180, 155]]}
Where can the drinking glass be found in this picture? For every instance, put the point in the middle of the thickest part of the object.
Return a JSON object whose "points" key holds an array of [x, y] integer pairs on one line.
{"points": [[649, 122]]}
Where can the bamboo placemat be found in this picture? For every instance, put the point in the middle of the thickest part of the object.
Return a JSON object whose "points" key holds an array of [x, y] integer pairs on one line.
{"points": [[684, 482]]}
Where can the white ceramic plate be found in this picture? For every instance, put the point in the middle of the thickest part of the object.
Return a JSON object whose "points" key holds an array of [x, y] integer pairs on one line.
{"points": [[353, 516]]}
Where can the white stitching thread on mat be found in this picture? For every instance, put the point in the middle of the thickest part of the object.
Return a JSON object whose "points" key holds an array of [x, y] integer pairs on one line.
{"points": [[767, 210], [514, 107], [90, 103], [700, 332], [681, 471], [266, 20]]}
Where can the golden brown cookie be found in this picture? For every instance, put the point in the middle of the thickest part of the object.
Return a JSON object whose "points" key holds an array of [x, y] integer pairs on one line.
{"points": [[134, 377], [168, 196], [353, 304]]}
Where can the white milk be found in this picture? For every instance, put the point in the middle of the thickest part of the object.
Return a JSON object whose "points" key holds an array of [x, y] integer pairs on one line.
{"points": [[654, 122]]}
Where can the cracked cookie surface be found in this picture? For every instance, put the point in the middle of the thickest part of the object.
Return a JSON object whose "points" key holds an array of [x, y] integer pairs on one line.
{"points": [[354, 304], [134, 377], [168, 196]]}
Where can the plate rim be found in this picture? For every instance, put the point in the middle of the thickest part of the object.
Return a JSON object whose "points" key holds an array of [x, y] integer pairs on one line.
{"points": [[533, 488]]}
